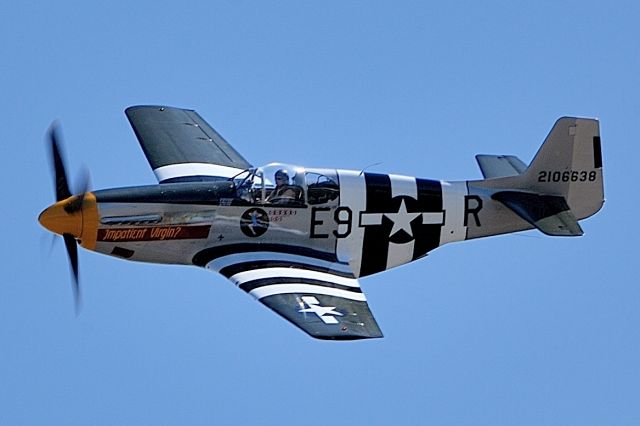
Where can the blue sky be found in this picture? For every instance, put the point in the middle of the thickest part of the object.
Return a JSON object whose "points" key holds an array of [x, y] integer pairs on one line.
{"points": [[519, 329]]}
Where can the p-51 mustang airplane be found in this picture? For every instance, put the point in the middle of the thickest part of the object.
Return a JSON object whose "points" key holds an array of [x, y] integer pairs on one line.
{"points": [[298, 239]]}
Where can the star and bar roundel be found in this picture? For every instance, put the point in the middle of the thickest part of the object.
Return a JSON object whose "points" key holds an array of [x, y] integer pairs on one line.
{"points": [[402, 221]]}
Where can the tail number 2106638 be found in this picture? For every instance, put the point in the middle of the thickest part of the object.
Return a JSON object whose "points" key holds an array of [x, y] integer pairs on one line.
{"points": [[567, 176]]}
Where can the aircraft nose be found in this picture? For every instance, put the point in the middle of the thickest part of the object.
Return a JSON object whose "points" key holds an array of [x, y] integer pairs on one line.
{"points": [[77, 215], [60, 219]]}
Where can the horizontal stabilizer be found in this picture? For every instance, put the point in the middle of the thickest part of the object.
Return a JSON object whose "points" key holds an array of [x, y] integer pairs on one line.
{"points": [[494, 166], [549, 213]]}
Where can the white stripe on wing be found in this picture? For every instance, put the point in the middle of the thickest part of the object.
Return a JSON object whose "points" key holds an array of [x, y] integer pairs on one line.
{"points": [[194, 169], [235, 258], [258, 274]]}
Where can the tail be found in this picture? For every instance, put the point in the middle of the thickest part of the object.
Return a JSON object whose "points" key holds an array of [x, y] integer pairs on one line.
{"points": [[563, 183]]}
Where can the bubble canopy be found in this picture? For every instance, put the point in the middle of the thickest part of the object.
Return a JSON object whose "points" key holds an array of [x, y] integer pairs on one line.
{"points": [[281, 183]]}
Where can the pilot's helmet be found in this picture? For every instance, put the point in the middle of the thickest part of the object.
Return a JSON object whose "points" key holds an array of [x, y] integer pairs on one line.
{"points": [[282, 177]]}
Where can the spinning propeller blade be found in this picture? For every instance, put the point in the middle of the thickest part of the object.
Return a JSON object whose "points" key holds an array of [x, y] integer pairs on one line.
{"points": [[60, 174], [55, 218], [72, 252]]}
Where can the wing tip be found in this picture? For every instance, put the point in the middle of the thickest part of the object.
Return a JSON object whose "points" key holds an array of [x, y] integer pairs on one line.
{"points": [[342, 338], [161, 108]]}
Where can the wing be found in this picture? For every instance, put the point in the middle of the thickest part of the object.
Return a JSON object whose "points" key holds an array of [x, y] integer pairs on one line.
{"points": [[181, 147], [308, 288]]}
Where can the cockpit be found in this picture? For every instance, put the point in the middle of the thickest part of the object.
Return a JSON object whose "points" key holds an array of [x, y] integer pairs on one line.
{"points": [[286, 185]]}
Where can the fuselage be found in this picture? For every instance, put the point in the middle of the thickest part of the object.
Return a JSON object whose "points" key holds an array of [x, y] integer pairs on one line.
{"points": [[366, 222]]}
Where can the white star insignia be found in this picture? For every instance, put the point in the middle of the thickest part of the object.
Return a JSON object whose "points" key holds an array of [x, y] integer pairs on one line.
{"points": [[324, 312], [402, 220]]}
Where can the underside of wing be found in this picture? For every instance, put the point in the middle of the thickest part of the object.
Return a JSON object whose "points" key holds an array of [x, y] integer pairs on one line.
{"points": [[310, 289], [181, 147]]}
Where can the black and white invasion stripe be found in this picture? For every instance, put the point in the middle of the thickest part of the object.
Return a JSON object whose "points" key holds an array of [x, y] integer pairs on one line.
{"points": [[264, 270], [380, 252]]}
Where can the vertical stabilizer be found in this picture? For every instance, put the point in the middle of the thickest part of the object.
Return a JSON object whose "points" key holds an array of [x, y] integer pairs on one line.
{"points": [[569, 164]]}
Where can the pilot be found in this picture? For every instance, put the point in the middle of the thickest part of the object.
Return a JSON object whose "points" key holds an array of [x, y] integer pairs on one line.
{"points": [[283, 192]]}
